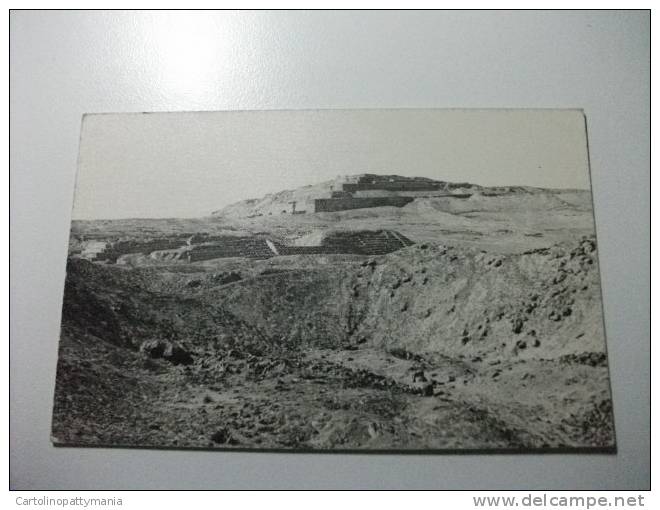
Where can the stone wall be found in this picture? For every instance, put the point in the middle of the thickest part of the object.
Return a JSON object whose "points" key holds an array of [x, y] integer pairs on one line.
{"points": [[343, 204], [230, 246], [363, 242], [393, 186]]}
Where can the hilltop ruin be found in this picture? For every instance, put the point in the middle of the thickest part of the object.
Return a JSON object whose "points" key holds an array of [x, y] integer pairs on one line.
{"points": [[370, 190], [347, 192]]}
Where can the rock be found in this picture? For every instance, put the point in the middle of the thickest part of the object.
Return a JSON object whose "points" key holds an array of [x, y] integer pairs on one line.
{"points": [[521, 344], [554, 316], [169, 351], [423, 388], [222, 436], [419, 376], [225, 278], [517, 326], [559, 278]]}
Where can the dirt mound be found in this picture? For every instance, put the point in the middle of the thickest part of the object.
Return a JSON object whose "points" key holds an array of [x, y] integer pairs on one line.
{"points": [[505, 201]]}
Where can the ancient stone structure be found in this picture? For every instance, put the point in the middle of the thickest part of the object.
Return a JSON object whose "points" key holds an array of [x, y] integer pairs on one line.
{"points": [[356, 192], [201, 247], [364, 242], [230, 246], [343, 204]]}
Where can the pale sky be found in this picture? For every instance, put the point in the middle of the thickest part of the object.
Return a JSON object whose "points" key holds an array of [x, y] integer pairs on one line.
{"points": [[188, 164]]}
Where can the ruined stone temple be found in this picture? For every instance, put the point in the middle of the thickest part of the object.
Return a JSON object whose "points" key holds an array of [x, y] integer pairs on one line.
{"points": [[370, 190]]}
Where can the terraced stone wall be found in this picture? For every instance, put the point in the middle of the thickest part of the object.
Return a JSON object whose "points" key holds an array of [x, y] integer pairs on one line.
{"points": [[248, 247], [392, 186], [344, 204]]}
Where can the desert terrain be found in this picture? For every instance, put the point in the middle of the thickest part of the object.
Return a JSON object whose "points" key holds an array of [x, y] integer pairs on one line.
{"points": [[464, 320]]}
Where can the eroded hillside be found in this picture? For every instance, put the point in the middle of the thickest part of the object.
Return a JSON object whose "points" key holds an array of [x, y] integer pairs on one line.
{"points": [[430, 346]]}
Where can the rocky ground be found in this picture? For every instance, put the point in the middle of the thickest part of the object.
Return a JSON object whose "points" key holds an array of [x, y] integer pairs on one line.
{"points": [[487, 333]]}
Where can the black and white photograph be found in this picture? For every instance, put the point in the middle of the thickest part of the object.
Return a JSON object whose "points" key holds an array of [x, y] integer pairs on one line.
{"points": [[334, 280]]}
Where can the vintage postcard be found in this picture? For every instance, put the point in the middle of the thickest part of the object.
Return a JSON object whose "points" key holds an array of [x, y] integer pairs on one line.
{"points": [[402, 280]]}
